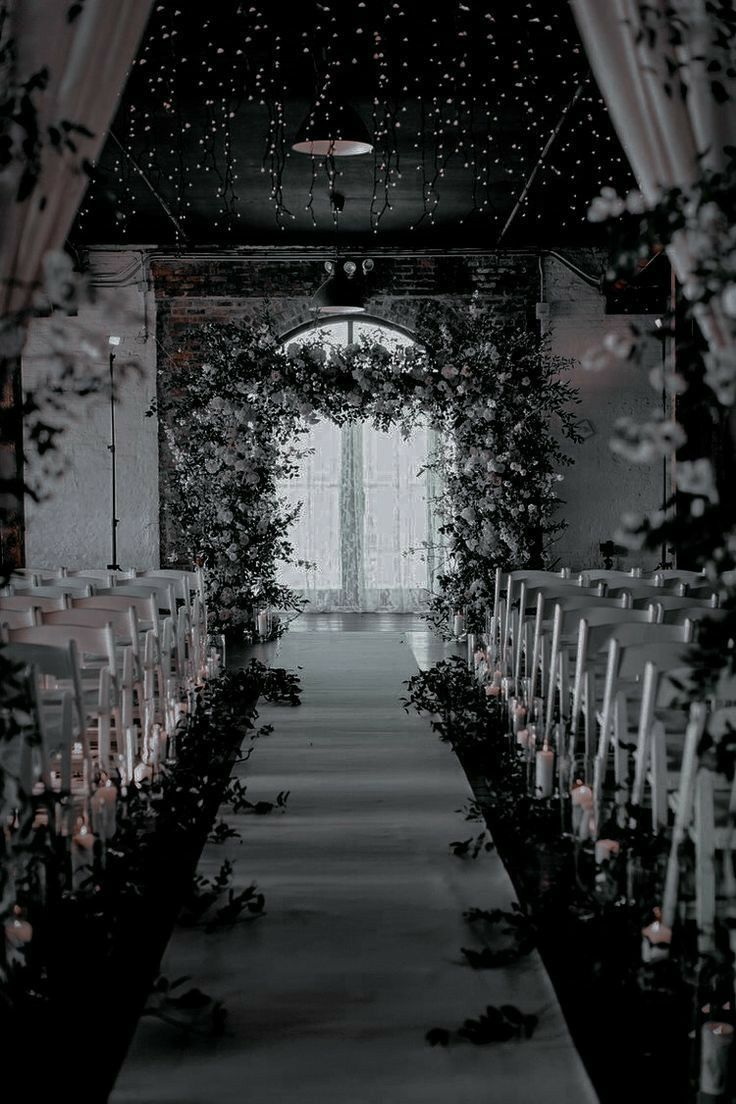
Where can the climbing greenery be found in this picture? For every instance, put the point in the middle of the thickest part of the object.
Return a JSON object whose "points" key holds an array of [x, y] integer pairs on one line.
{"points": [[236, 427]]}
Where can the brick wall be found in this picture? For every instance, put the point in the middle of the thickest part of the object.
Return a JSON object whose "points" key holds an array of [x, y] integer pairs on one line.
{"points": [[191, 290]]}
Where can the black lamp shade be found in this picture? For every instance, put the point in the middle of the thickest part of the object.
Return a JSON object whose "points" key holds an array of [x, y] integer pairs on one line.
{"points": [[333, 130], [339, 295]]}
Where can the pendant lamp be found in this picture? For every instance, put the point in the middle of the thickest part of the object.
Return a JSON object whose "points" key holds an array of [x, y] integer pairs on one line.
{"points": [[333, 129]]}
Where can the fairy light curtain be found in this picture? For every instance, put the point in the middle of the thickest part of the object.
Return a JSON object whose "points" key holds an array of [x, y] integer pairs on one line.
{"points": [[86, 49], [666, 72], [459, 99], [365, 507]]}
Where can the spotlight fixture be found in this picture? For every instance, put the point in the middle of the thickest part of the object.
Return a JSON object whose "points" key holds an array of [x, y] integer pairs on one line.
{"points": [[333, 130], [343, 291]]}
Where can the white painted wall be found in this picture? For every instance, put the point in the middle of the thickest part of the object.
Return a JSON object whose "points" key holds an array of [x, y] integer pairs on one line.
{"points": [[72, 527], [600, 486]]}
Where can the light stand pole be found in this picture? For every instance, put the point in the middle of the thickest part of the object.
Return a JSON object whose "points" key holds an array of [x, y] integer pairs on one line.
{"points": [[113, 565]]}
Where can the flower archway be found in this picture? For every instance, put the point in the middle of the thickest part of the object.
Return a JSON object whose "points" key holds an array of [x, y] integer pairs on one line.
{"points": [[501, 404]]}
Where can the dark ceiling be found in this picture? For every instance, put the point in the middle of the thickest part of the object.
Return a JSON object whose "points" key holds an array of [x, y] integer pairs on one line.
{"points": [[461, 98]]}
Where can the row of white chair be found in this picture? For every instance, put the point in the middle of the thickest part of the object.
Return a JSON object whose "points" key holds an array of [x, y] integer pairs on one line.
{"points": [[606, 672], [110, 669]]}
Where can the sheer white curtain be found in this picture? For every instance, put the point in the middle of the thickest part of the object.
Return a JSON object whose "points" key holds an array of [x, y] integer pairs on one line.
{"points": [[88, 58], [365, 506], [668, 138]]}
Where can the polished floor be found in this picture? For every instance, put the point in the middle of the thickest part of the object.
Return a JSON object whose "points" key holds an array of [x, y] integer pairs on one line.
{"points": [[358, 622], [329, 995]]}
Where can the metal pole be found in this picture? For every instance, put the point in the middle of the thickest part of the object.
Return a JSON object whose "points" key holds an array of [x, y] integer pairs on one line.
{"points": [[113, 565]]}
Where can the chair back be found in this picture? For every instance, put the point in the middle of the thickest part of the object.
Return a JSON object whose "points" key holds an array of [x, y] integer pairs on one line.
{"points": [[91, 643]]}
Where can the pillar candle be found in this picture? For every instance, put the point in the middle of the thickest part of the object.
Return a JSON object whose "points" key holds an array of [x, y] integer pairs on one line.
{"points": [[545, 772], [524, 741], [581, 797], [263, 623], [103, 807], [18, 931], [716, 1040], [458, 625], [656, 939], [83, 844], [606, 849], [518, 715]]}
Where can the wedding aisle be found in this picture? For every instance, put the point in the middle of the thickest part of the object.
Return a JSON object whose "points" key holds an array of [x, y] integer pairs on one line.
{"points": [[329, 995]]}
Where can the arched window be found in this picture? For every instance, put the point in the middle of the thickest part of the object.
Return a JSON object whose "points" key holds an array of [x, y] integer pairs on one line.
{"points": [[365, 503]]}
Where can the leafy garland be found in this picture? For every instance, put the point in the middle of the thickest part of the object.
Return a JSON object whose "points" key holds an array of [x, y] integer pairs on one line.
{"points": [[235, 429]]}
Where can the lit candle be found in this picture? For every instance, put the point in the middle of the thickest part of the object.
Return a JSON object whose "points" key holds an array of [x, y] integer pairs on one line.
{"points": [[581, 797], [103, 807], [493, 691], [518, 715], [523, 738], [715, 1051], [656, 939], [18, 932], [606, 849], [83, 844], [545, 772]]}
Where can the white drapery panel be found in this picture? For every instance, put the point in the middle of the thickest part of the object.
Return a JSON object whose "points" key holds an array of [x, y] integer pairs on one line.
{"points": [[88, 60], [668, 139], [365, 506]]}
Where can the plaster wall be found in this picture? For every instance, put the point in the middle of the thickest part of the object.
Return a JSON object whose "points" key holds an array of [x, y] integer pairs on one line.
{"points": [[71, 526], [600, 486]]}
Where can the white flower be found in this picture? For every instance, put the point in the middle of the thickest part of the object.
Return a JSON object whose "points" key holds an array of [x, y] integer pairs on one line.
{"points": [[696, 477], [61, 283], [635, 203], [728, 299], [665, 380], [607, 205], [598, 359], [621, 345], [721, 375], [448, 371]]}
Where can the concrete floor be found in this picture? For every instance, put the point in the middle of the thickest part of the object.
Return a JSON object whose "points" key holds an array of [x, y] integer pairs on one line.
{"points": [[330, 994]]}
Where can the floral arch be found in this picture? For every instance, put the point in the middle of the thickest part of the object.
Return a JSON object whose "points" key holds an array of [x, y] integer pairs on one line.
{"points": [[237, 428]]}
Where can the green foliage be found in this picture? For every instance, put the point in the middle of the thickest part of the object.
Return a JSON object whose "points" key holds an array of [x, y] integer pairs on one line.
{"points": [[234, 429]]}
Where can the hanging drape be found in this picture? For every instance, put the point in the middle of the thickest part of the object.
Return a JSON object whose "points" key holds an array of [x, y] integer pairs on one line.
{"points": [[87, 57], [365, 507], [668, 138]]}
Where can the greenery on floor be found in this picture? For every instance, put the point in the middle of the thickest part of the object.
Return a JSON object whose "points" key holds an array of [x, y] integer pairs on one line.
{"points": [[111, 920], [585, 917]]}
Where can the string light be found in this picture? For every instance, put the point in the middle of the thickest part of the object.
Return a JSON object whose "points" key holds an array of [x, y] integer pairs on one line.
{"points": [[460, 101]]}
